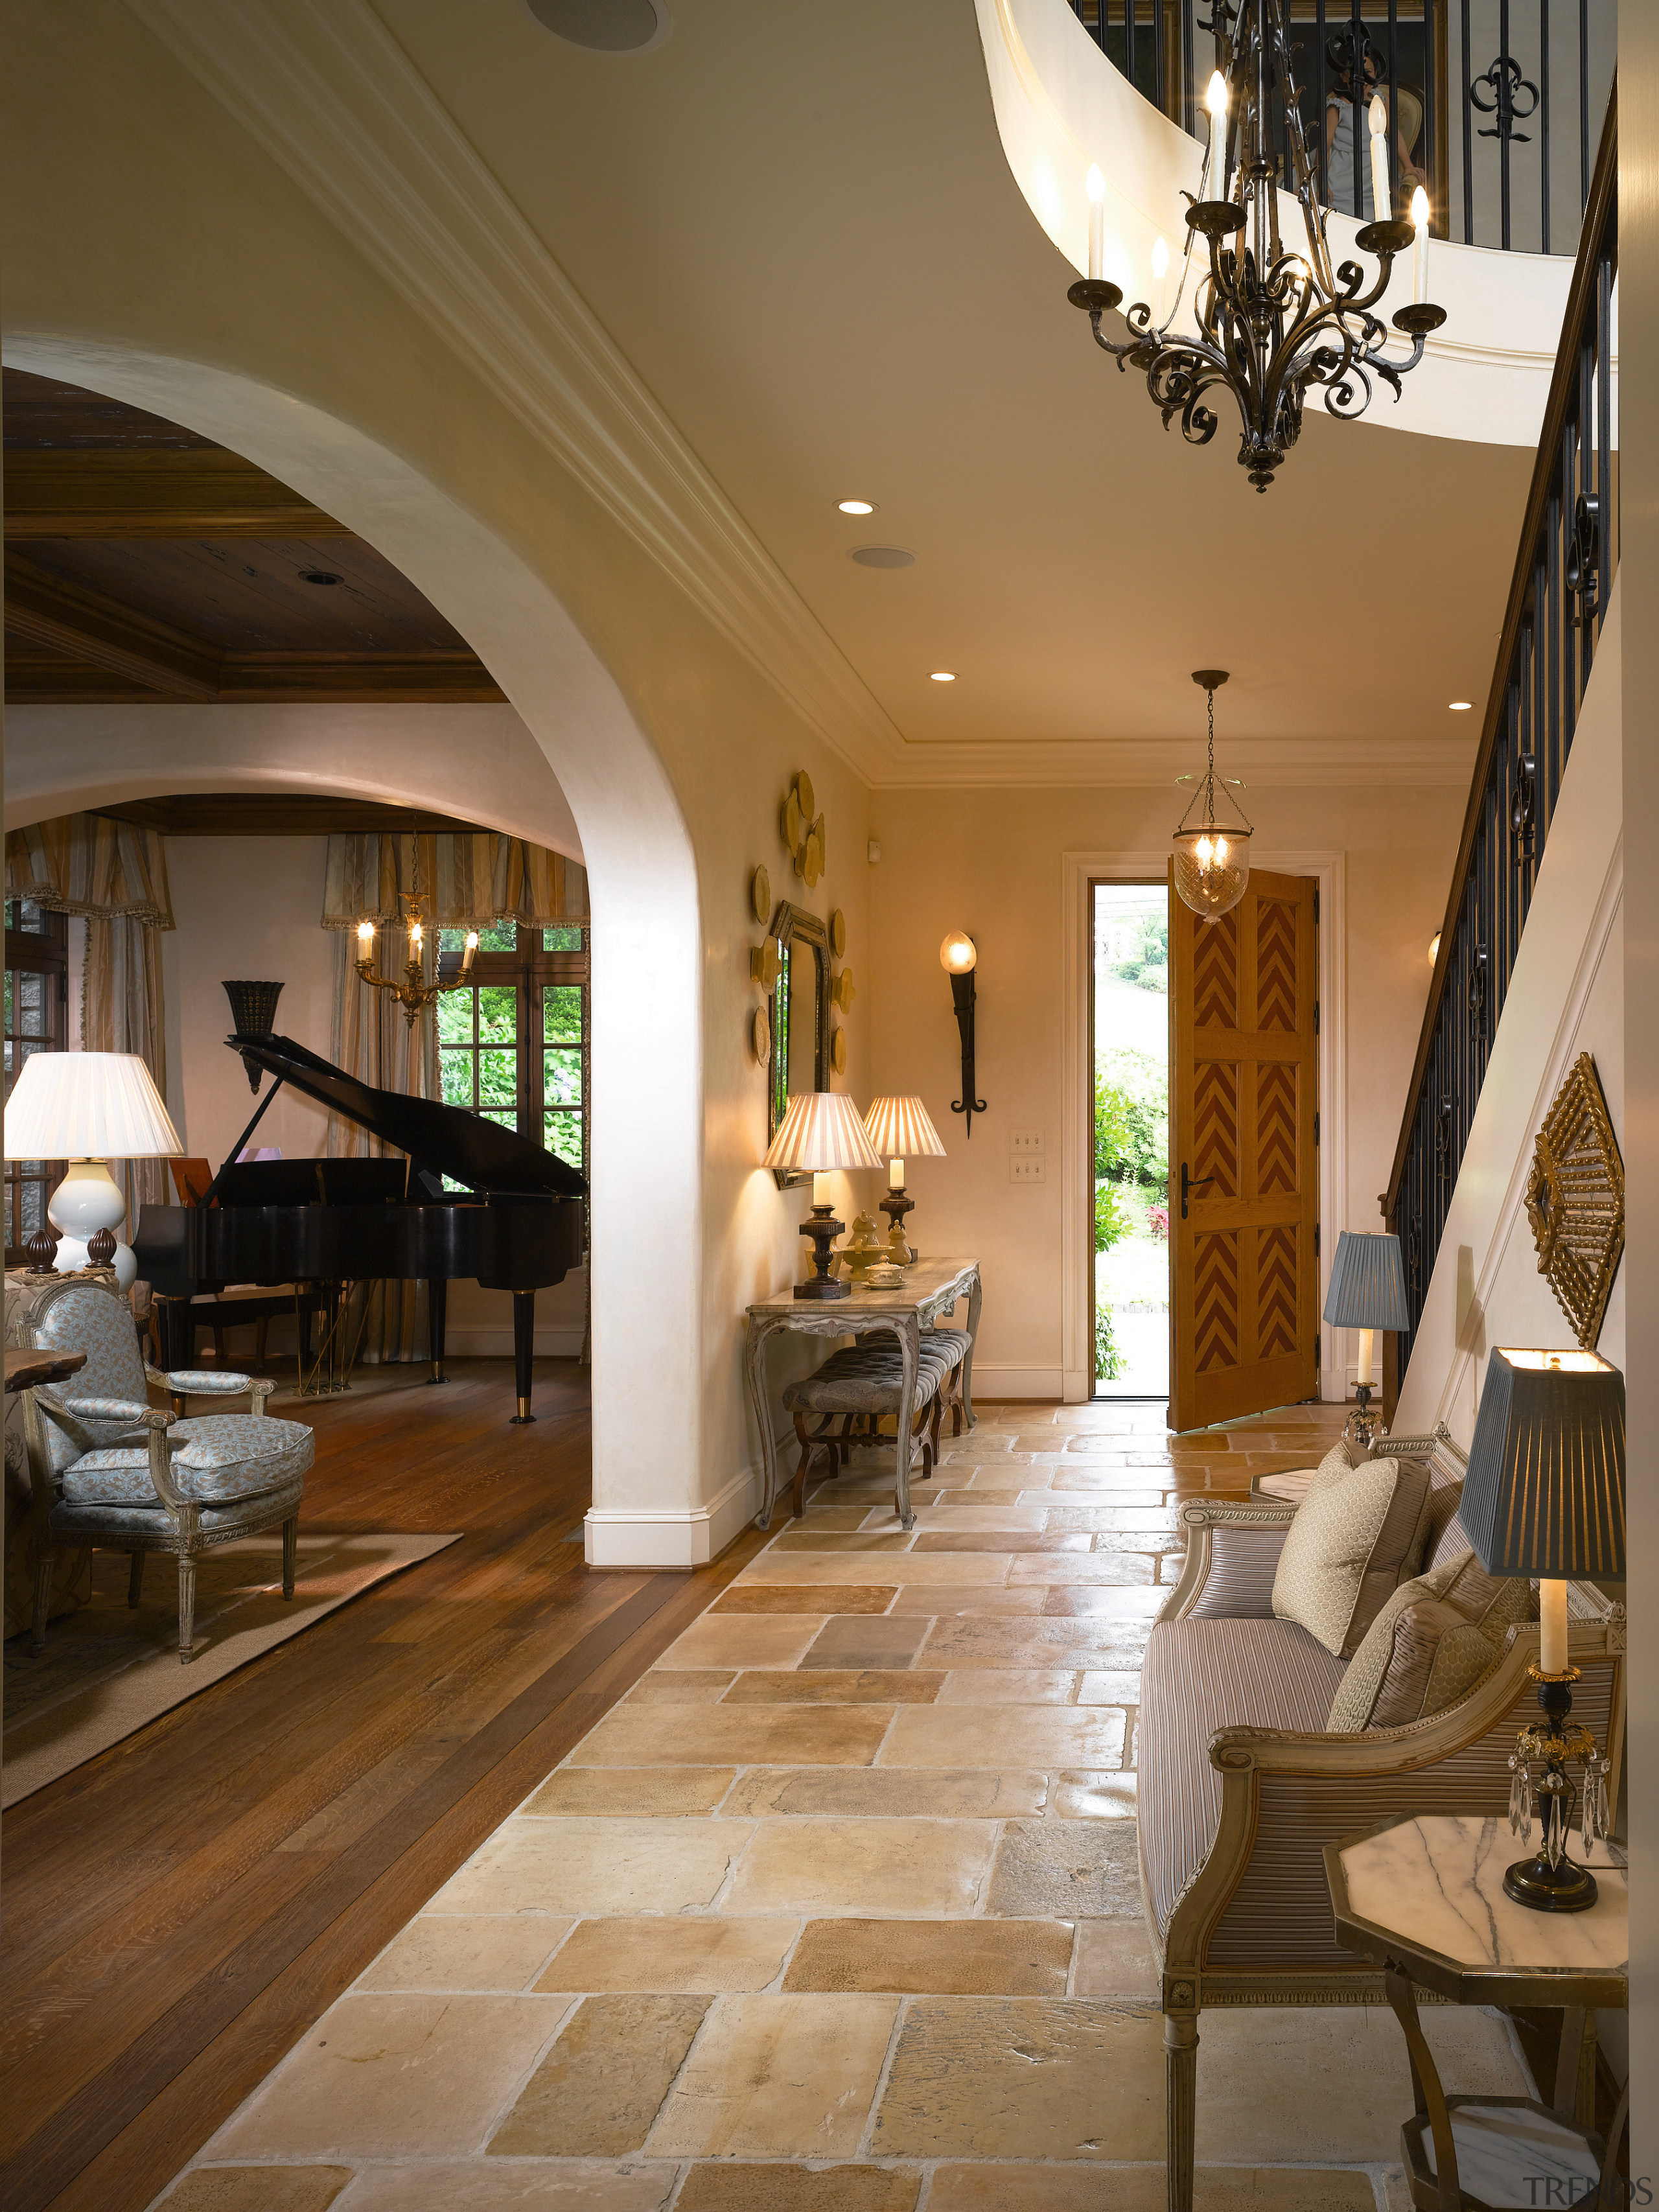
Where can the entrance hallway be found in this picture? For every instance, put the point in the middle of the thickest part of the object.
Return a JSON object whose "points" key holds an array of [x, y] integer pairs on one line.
{"points": [[838, 1909]]}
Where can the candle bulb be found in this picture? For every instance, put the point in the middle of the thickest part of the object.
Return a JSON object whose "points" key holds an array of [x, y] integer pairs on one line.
{"points": [[471, 947], [1551, 1627], [1216, 101], [1367, 1359], [820, 1187], [1420, 247], [1095, 187], [895, 1175], [1382, 204], [365, 939], [1160, 269]]}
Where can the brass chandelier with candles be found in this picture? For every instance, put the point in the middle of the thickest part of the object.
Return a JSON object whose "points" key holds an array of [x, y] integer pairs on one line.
{"points": [[1268, 321], [412, 991]]}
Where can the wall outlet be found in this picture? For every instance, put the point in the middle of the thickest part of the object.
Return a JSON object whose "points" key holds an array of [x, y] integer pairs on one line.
{"points": [[1025, 1141], [1028, 1167]]}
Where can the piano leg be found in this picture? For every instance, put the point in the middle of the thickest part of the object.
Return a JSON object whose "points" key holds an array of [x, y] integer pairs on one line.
{"points": [[174, 1324], [437, 1292], [524, 1345]]}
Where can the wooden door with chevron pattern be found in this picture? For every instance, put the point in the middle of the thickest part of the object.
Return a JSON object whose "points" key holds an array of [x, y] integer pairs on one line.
{"points": [[1243, 1154]]}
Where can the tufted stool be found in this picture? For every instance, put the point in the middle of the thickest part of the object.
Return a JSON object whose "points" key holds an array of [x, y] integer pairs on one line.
{"points": [[864, 1382]]}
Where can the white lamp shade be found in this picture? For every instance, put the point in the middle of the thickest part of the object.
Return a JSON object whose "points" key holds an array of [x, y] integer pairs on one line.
{"points": [[900, 1128], [822, 1130], [88, 1106]]}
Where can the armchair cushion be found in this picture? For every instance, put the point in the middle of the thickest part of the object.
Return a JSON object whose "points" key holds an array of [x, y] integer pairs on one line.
{"points": [[220, 1457], [1200, 1676], [204, 1382], [1357, 1534]]}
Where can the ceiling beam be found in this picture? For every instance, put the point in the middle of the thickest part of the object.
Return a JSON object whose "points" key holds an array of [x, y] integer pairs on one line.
{"points": [[272, 814], [67, 618], [203, 492], [68, 678]]}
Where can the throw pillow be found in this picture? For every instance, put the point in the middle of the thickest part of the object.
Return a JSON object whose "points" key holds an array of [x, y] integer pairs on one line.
{"points": [[1356, 1533], [1434, 1640]]}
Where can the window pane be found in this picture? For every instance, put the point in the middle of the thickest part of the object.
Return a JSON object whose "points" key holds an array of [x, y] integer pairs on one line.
{"points": [[562, 1078], [498, 1013], [34, 1196], [565, 939], [561, 1013], [561, 1133], [455, 1076], [498, 1082], [28, 1005], [455, 1010], [508, 1119]]}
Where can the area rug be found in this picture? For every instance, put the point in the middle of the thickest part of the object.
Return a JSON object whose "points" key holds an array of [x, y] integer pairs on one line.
{"points": [[108, 1670]]}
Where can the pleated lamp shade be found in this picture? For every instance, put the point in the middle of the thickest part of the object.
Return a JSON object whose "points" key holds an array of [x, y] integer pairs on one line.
{"points": [[88, 1106], [1544, 1492], [1368, 1284], [822, 1130], [900, 1128]]}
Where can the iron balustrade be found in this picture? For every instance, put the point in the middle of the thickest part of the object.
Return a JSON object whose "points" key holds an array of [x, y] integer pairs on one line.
{"points": [[1491, 99], [1564, 573]]}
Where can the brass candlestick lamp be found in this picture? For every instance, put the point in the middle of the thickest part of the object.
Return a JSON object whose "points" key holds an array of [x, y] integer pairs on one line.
{"points": [[413, 994]]}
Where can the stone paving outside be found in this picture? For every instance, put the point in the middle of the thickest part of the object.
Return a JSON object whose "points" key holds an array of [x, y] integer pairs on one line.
{"points": [[837, 1909]]}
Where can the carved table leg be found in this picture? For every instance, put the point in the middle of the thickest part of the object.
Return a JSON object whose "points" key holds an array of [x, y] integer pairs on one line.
{"points": [[754, 1368], [908, 1329], [1425, 2085], [1181, 2089], [968, 1361]]}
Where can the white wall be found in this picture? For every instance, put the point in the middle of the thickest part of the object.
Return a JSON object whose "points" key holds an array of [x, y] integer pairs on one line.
{"points": [[1566, 996]]}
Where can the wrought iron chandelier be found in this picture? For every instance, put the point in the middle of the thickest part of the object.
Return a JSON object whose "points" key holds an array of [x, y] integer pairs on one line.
{"points": [[1212, 857], [414, 993], [1269, 321]]}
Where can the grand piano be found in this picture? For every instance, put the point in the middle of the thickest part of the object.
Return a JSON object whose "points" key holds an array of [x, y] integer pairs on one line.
{"points": [[517, 1225]]}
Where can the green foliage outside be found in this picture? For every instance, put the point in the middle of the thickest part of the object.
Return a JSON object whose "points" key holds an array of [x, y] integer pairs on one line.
{"points": [[1131, 1119], [1108, 1360], [1144, 960]]}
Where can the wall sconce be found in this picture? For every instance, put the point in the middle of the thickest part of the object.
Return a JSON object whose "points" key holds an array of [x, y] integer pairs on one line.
{"points": [[958, 956], [1434, 949]]}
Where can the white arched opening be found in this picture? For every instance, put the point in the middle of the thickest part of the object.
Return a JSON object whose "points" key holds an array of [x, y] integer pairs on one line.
{"points": [[646, 1145]]}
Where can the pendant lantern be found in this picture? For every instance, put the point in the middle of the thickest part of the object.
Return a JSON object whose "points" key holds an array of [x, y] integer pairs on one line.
{"points": [[1211, 856]]}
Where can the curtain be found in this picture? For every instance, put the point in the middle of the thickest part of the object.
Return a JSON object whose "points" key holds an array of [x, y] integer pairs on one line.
{"points": [[90, 865], [371, 1039], [121, 1011], [467, 878]]}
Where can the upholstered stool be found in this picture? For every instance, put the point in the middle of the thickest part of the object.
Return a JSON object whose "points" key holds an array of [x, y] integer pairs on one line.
{"points": [[866, 1381]]}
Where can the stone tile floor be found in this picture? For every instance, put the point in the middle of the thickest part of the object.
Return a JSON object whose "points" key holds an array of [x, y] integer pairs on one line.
{"points": [[837, 1910]]}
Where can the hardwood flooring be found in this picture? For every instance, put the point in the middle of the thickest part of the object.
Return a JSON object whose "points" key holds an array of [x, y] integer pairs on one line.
{"points": [[178, 1911]]}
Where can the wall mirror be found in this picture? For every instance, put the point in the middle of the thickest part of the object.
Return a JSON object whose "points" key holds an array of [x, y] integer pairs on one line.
{"points": [[800, 1018]]}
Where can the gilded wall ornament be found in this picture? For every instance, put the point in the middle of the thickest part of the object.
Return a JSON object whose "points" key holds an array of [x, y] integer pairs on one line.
{"points": [[1576, 1201]]}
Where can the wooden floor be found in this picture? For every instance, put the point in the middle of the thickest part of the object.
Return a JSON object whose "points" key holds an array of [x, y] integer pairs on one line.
{"points": [[179, 1910]]}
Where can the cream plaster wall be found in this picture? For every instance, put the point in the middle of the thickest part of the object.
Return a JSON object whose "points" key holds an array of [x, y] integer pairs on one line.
{"points": [[991, 863], [1566, 996]]}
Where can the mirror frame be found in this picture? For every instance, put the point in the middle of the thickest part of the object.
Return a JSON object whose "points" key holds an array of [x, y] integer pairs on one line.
{"points": [[792, 925]]}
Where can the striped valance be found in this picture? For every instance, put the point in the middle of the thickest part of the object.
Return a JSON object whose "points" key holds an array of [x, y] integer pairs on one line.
{"points": [[468, 880], [91, 864]]}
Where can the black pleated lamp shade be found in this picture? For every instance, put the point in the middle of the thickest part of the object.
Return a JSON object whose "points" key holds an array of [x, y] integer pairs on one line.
{"points": [[1368, 1284], [1544, 1492]]}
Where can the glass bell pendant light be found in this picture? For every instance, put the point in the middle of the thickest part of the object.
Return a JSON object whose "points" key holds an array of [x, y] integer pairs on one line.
{"points": [[1212, 857]]}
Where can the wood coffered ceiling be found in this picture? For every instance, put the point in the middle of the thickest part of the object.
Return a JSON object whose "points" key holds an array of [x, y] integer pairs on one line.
{"points": [[144, 563]]}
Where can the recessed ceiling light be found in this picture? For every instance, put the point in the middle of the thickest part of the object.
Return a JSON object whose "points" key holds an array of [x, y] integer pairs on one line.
{"points": [[856, 506], [882, 556], [319, 576], [605, 26], [943, 675], [1460, 706]]}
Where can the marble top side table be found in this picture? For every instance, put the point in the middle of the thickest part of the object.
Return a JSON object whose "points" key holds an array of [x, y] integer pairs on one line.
{"points": [[931, 1288], [1424, 1899]]}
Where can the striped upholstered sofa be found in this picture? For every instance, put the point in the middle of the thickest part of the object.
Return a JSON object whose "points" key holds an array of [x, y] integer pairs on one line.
{"points": [[1241, 1786]]}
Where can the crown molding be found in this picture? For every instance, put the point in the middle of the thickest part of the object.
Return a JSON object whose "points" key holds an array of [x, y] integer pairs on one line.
{"points": [[331, 97], [1141, 762]]}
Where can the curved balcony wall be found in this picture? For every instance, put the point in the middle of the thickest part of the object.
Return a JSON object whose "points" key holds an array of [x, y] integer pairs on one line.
{"points": [[1060, 104]]}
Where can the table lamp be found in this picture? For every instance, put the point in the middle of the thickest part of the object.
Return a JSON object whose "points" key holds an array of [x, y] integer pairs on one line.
{"points": [[1545, 1496], [87, 1108], [901, 1129], [822, 1130], [1367, 1292]]}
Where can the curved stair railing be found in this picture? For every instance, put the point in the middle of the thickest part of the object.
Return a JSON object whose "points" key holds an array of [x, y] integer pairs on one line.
{"points": [[1563, 574]]}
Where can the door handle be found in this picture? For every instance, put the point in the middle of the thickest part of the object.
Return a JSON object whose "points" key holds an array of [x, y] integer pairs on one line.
{"points": [[1190, 1182]]}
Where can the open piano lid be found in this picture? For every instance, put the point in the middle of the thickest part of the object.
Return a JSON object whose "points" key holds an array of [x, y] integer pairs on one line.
{"points": [[447, 1140]]}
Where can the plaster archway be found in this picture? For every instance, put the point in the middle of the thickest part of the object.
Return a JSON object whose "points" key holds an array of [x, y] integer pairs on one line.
{"points": [[647, 1142]]}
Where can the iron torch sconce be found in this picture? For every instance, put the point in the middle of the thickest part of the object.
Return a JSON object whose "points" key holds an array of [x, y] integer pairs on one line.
{"points": [[958, 956]]}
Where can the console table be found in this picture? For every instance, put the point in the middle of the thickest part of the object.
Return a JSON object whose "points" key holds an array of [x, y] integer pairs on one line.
{"points": [[931, 1289], [1424, 1899]]}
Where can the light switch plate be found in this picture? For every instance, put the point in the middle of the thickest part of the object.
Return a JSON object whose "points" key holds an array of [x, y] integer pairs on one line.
{"points": [[1025, 1141], [1027, 1167]]}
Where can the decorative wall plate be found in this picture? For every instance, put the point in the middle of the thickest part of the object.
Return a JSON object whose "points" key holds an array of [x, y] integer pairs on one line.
{"points": [[837, 933], [760, 896], [763, 963], [760, 1035], [838, 1051], [1576, 1201]]}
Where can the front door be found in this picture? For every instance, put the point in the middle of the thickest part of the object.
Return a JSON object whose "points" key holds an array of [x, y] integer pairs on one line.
{"points": [[1243, 1154]]}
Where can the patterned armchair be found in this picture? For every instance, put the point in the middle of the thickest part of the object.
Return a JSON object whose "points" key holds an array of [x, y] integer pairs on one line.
{"points": [[124, 1476], [1241, 1784]]}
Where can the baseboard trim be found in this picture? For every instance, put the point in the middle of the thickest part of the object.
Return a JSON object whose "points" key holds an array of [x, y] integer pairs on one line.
{"points": [[641, 1536], [1000, 1382]]}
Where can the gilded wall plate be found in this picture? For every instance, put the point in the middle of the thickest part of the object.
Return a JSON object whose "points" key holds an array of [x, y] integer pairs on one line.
{"points": [[838, 1052], [837, 933], [793, 824], [843, 990], [760, 896], [804, 794], [760, 1035], [1576, 1201], [763, 963]]}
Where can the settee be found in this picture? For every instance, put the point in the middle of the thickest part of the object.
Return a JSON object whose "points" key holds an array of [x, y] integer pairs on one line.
{"points": [[1241, 1784]]}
